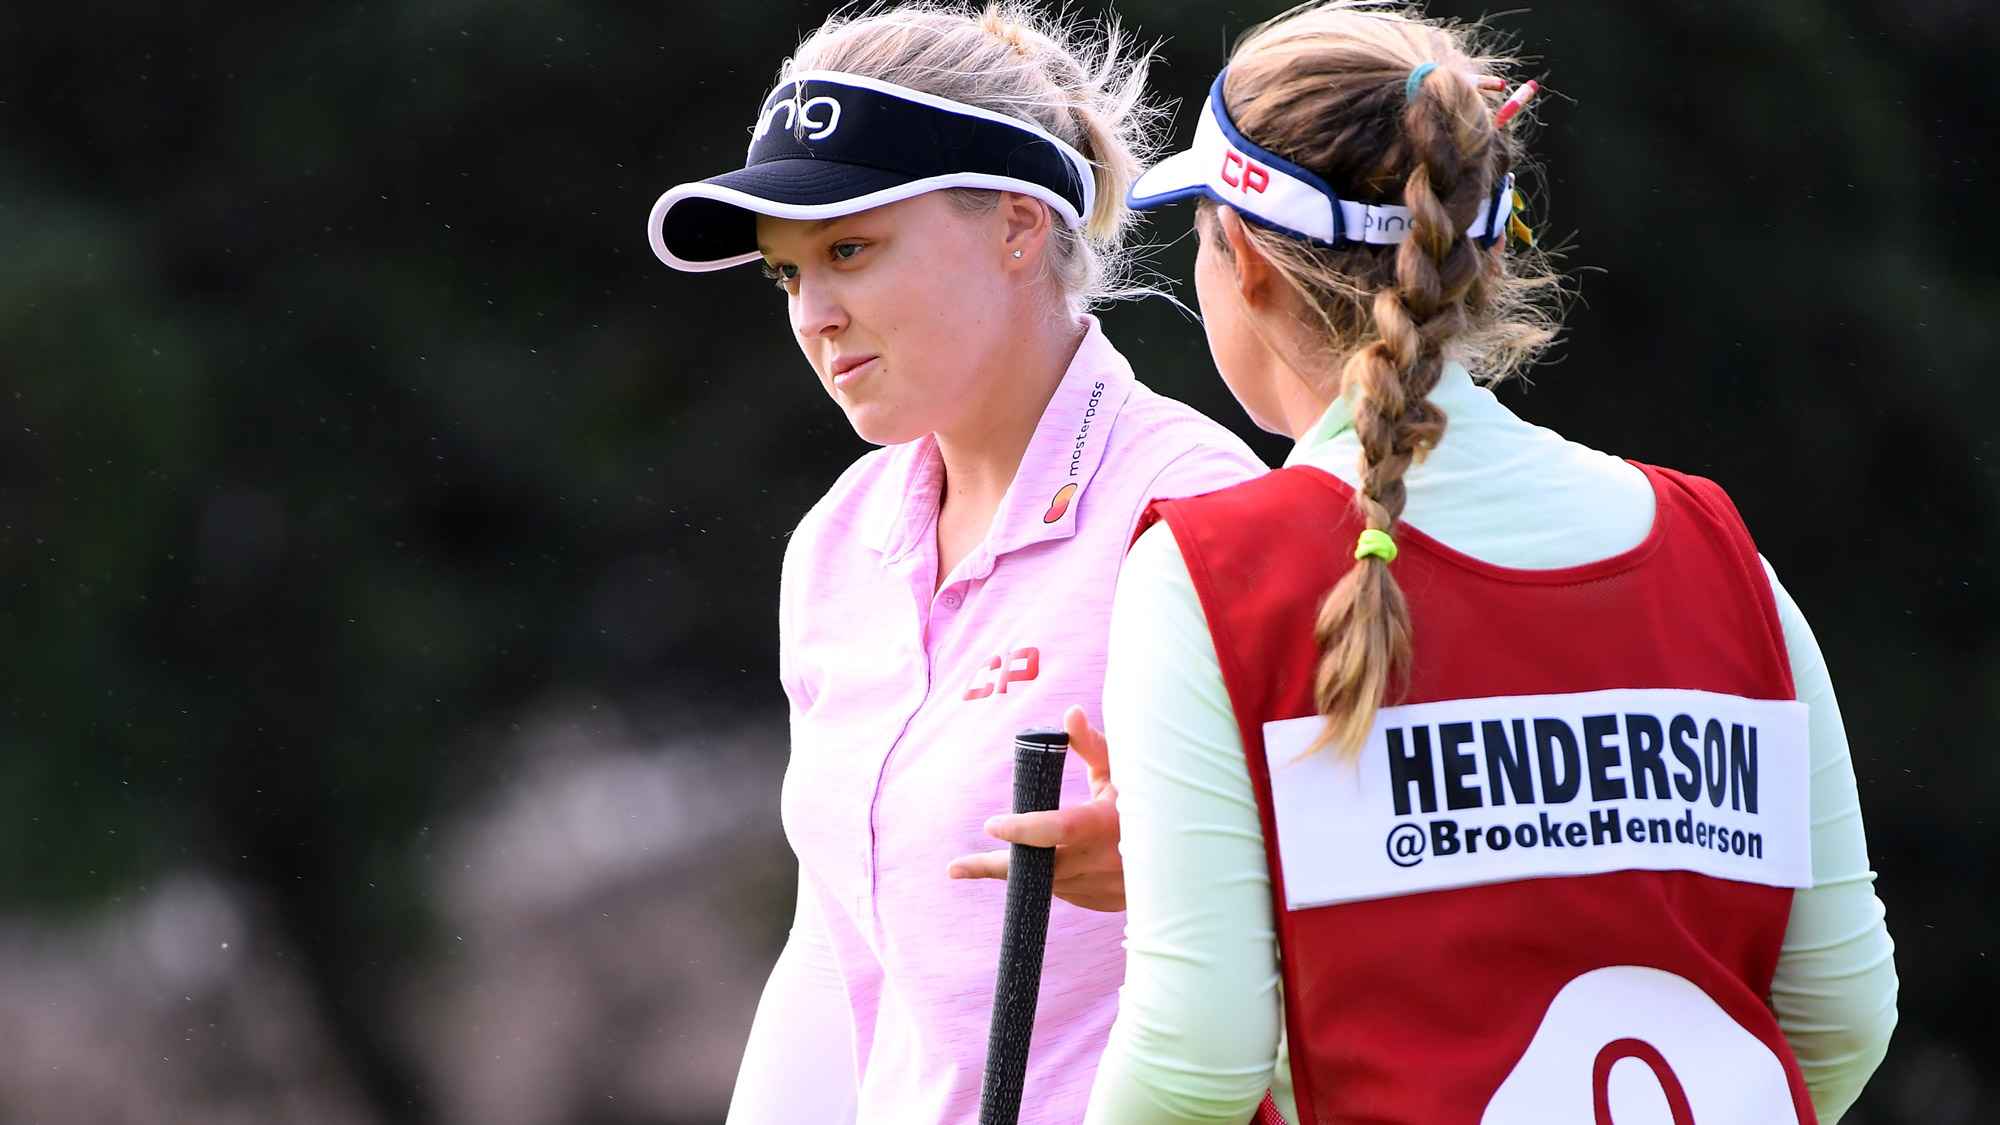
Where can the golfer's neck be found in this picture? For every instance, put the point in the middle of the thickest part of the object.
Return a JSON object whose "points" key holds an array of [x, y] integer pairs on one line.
{"points": [[982, 453]]}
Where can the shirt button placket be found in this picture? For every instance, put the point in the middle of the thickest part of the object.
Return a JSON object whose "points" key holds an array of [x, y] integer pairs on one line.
{"points": [[918, 571]]}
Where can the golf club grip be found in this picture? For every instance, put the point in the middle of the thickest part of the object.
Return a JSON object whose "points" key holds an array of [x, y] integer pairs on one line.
{"points": [[1039, 756]]}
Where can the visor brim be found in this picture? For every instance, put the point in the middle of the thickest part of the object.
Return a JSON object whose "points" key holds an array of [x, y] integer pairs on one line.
{"points": [[1178, 178], [712, 224]]}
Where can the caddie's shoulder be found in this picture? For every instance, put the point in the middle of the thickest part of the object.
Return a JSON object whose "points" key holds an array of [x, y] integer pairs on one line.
{"points": [[1699, 494], [1276, 499]]}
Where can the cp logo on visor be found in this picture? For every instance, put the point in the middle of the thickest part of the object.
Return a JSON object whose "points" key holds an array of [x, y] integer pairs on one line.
{"points": [[1244, 174]]}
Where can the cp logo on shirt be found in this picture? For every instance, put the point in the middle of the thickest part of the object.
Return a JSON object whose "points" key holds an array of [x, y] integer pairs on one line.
{"points": [[1018, 666]]}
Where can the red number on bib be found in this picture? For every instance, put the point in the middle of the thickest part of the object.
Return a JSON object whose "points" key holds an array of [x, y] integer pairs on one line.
{"points": [[1618, 1050]]}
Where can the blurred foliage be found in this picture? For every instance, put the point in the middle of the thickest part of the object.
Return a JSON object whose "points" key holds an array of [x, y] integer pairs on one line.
{"points": [[347, 413]]}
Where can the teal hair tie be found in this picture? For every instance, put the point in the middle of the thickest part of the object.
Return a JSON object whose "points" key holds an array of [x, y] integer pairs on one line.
{"points": [[1376, 543], [1415, 80]]}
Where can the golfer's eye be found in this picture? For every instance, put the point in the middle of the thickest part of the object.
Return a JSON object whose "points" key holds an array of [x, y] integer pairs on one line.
{"points": [[846, 250], [783, 273]]}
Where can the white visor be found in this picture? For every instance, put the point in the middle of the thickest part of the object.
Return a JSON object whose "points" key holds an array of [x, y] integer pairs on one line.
{"points": [[1227, 167]]}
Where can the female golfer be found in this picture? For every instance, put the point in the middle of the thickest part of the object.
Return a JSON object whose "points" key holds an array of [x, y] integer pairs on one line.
{"points": [[1602, 860], [940, 194]]}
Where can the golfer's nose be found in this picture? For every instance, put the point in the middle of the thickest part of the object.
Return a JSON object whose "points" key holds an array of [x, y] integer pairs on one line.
{"points": [[816, 310]]}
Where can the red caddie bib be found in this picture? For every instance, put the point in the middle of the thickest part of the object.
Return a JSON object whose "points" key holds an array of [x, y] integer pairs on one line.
{"points": [[1551, 890]]}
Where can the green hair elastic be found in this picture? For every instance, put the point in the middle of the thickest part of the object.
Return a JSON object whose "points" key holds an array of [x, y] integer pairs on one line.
{"points": [[1376, 543]]}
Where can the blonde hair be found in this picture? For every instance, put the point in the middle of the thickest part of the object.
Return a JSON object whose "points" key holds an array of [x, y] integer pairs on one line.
{"points": [[1082, 81], [1324, 86]]}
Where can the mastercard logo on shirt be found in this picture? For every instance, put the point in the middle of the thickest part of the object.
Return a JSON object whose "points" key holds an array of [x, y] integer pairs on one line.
{"points": [[1060, 504]]}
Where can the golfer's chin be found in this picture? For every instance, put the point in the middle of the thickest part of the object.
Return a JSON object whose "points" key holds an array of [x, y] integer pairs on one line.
{"points": [[880, 423]]}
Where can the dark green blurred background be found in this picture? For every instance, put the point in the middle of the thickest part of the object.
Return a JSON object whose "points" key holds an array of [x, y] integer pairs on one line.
{"points": [[351, 432]]}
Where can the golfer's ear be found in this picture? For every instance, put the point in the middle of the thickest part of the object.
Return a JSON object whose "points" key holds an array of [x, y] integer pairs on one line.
{"points": [[1025, 222], [1254, 276]]}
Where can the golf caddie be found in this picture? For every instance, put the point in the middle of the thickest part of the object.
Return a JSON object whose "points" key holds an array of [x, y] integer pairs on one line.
{"points": [[1466, 774]]}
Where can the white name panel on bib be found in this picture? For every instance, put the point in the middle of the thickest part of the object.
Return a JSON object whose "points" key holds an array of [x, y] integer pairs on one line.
{"points": [[1471, 791]]}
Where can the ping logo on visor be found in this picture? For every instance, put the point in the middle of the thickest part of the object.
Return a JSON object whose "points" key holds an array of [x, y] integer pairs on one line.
{"points": [[827, 144], [1264, 187], [799, 117]]}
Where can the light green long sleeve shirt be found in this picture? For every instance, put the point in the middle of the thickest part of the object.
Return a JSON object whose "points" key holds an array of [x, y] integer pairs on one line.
{"points": [[1199, 1037]]}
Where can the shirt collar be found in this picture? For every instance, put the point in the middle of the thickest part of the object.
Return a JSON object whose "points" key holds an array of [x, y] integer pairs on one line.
{"points": [[1040, 505], [905, 499], [1068, 445], [1455, 394]]}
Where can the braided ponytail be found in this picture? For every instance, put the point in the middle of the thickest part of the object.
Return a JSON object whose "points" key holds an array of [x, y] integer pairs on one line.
{"points": [[1325, 87], [1364, 624]]}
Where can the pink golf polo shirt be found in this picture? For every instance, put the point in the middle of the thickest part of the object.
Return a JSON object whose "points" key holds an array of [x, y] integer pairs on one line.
{"points": [[904, 707]]}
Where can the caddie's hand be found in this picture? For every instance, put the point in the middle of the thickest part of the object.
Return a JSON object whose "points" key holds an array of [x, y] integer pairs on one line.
{"points": [[1089, 871]]}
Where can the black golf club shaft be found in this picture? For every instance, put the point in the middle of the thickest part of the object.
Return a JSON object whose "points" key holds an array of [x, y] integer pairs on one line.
{"points": [[1039, 756]]}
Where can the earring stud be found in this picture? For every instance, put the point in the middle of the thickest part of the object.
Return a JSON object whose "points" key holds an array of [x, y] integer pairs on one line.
{"points": [[1017, 253]]}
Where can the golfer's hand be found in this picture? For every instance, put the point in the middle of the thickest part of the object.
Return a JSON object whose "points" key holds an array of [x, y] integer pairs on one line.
{"points": [[1089, 871]]}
